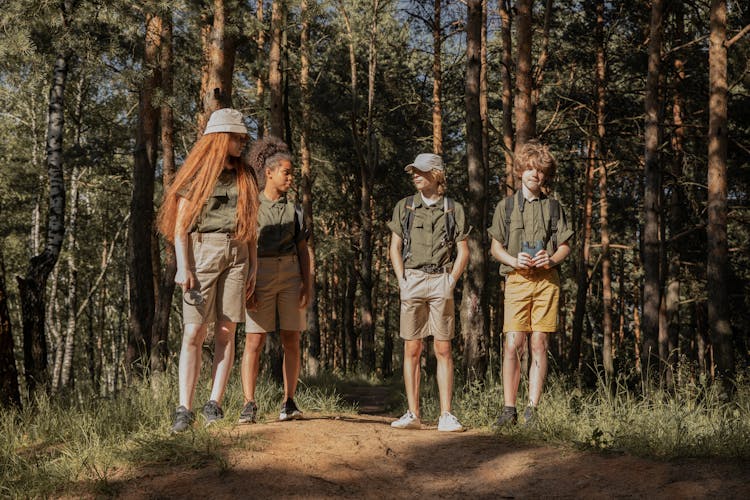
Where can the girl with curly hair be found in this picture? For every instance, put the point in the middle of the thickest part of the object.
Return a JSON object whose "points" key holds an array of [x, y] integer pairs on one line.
{"points": [[284, 276], [210, 214]]}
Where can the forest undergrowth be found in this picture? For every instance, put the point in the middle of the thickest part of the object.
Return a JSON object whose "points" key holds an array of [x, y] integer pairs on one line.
{"points": [[59, 444]]}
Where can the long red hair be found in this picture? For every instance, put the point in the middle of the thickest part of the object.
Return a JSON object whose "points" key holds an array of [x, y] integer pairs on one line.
{"points": [[197, 177]]}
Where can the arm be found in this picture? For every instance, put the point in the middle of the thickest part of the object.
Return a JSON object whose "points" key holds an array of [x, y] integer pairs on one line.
{"points": [[306, 268], [462, 259], [396, 258], [542, 258], [184, 276], [522, 261], [252, 252]]}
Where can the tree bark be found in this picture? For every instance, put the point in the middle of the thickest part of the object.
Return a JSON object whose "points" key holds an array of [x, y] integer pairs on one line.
{"points": [[9, 393], [32, 286], [652, 181], [437, 80], [718, 263], [601, 93], [507, 95], [524, 107], [260, 88], [140, 229], [313, 325], [278, 21], [165, 289], [219, 68], [474, 311]]}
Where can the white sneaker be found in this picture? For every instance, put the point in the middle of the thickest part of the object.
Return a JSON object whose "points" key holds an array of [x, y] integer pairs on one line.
{"points": [[449, 423], [407, 421]]}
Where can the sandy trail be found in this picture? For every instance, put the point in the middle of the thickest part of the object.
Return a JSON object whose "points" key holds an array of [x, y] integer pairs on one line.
{"points": [[362, 457]]}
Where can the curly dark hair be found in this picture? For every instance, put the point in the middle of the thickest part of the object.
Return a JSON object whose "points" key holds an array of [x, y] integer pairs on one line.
{"points": [[265, 154]]}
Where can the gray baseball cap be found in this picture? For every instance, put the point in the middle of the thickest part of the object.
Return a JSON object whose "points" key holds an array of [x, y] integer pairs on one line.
{"points": [[426, 162]]}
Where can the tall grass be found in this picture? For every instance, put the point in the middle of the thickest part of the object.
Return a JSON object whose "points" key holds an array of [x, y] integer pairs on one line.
{"points": [[692, 420], [70, 442]]}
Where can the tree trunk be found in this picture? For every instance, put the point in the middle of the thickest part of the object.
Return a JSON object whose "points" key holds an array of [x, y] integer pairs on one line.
{"points": [[584, 256], [31, 287], [483, 96], [352, 353], [507, 95], [9, 393], [524, 108], [313, 325], [651, 243], [140, 229], [542, 61], [278, 22], [601, 92], [260, 56], [437, 80], [474, 311], [166, 286], [220, 53], [718, 262]]}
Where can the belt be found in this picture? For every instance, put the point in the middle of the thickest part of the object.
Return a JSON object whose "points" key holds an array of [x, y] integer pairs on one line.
{"points": [[433, 269], [200, 236]]}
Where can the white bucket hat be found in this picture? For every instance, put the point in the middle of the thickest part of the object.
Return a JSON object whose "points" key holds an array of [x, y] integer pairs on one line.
{"points": [[225, 120], [426, 162]]}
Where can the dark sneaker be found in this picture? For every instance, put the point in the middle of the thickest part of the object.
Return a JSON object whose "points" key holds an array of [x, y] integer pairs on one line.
{"points": [[529, 415], [212, 412], [182, 420], [289, 411], [508, 417], [249, 413]]}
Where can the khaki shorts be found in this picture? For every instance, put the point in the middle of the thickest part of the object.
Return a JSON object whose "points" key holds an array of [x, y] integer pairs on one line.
{"points": [[220, 265], [531, 301], [427, 307], [277, 287]]}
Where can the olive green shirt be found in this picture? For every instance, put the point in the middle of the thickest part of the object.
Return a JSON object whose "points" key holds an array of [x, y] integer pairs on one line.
{"points": [[279, 231], [428, 231], [219, 214], [534, 225]]}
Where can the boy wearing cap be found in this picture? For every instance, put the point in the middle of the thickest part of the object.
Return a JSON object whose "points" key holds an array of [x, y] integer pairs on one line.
{"points": [[210, 214], [428, 232], [530, 235]]}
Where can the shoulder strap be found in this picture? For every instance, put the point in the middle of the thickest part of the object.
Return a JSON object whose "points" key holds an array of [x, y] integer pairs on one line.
{"points": [[449, 209], [509, 202], [554, 216], [406, 223]]}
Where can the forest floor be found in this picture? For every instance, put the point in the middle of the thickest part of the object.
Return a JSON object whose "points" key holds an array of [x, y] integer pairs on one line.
{"points": [[361, 456]]}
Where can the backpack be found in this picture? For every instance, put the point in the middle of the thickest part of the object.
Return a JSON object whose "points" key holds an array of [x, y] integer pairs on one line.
{"points": [[554, 217], [449, 240]]}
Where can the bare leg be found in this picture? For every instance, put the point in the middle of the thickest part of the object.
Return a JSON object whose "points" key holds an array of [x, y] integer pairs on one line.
{"points": [[250, 364], [292, 361], [444, 373], [190, 362], [515, 343], [538, 371], [412, 372], [223, 358]]}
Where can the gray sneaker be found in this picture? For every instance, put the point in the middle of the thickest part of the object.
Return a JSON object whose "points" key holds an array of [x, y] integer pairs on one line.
{"points": [[212, 412], [249, 413], [508, 417], [529, 415], [289, 411], [182, 420]]}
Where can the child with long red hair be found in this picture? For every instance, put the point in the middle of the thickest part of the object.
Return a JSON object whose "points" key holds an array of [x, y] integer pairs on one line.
{"points": [[210, 214]]}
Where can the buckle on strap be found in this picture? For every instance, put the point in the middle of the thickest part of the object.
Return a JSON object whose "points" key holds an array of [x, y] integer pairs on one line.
{"points": [[434, 269]]}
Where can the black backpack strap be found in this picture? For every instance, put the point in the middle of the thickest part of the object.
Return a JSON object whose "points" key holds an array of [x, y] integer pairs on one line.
{"points": [[509, 201], [449, 209], [406, 223], [554, 216]]}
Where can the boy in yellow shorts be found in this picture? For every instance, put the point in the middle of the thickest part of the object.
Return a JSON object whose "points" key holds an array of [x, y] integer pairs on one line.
{"points": [[530, 236]]}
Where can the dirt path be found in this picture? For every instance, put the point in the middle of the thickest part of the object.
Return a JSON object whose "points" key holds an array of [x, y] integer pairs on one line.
{"points": [[362, 457]]}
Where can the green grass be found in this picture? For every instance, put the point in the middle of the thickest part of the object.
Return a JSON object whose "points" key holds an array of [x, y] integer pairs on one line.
{"points": [[693, 420], [73, 442]]}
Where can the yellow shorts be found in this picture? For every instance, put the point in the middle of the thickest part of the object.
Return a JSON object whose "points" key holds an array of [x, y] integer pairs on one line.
{"points": [[531, 301], [220, 265], [427, 307], [277, 288]]}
